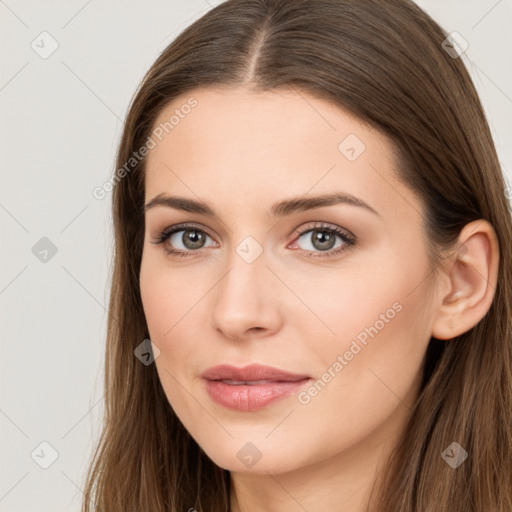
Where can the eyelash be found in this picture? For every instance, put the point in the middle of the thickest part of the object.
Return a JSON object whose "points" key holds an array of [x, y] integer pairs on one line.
{"points": [[349, 240]]}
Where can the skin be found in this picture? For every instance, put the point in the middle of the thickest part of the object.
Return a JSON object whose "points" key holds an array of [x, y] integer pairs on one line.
{"points": [[240, 152]]}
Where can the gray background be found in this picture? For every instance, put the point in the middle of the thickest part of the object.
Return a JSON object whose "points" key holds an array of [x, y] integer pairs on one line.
{"points": [[61, 122]]}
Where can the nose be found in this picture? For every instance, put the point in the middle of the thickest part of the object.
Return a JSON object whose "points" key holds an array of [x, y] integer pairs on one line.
{"points": [[245, 300]]}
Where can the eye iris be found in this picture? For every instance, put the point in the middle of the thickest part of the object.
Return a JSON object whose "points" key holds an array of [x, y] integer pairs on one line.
{"points": [[325, 239], [196, 238]]}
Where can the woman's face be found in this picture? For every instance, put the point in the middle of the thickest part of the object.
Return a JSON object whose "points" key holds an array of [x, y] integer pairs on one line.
{"points": [[333, 292]]}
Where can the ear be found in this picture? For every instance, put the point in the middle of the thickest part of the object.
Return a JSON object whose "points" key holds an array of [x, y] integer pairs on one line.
{"points": [[471, 278]]}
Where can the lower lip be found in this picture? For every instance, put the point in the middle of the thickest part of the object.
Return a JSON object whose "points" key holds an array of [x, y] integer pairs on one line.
{"points": [[251, 398]]}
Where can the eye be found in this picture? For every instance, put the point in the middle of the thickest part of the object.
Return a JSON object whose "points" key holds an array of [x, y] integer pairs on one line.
{"points": [[186, 238], [321, 240]]}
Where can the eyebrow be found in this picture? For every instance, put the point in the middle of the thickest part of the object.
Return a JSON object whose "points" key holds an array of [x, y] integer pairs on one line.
{"points": [[279, 209]]}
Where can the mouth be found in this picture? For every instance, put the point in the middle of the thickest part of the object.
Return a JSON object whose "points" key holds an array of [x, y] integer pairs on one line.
{"points": [[251, 373], [232, 382], [251, 388]]}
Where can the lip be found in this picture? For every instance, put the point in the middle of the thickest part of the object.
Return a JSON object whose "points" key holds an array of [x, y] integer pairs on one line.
{"points": [[251, 372], [252, 387]]}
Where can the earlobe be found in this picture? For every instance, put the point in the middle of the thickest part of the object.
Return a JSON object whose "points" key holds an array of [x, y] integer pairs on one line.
{"points": [[472, 277]]}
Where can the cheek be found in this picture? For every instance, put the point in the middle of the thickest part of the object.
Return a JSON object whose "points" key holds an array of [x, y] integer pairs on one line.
{"points": [[342, 304], [174, 307], [165, 298], [369, 372], [167, 304], [375, 317]]}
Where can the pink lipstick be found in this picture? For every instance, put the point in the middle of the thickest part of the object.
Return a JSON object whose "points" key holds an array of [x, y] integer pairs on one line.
{"points": [[252, 387]]}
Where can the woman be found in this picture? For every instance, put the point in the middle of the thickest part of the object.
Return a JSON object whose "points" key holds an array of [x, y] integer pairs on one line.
{"points": [[310, 303]]}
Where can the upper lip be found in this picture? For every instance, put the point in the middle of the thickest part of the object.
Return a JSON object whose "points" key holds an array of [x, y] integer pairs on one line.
{"points": [[250, 373]]}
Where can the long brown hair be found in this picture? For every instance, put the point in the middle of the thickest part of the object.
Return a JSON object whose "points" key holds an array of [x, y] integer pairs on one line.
{"points": [[383, 61]]}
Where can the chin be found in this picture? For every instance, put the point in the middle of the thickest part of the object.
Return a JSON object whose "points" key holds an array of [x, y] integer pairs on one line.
{"points": [[247, 457]]}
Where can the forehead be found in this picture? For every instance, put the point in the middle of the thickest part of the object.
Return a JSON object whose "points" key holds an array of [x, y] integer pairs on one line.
{"points": [[242, 119], [266, 145]]}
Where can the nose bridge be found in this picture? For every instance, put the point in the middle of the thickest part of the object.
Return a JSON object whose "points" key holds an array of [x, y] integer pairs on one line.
{"points": [[243, 299], [247, 271]]}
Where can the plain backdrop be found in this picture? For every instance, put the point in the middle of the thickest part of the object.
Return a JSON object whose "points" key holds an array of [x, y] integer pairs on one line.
{"points": [[62, 116]]}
